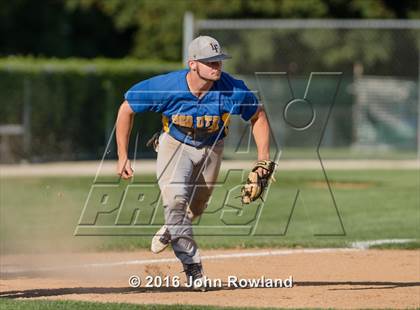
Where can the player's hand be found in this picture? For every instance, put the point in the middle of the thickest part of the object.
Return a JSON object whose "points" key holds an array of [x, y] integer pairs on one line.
{"points": [[257, 181], [262, 172], [124, 168]]}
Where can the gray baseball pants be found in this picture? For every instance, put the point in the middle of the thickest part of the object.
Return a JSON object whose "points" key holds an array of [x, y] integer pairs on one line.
{"points": [[186, 177]]}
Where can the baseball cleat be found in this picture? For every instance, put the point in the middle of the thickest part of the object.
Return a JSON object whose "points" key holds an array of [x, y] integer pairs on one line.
{"points": [[161, 240], [195, 278]]}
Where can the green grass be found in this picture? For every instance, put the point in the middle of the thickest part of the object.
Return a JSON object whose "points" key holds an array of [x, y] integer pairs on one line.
{"points": [[46, 304], [398, 246], [36, 212]]}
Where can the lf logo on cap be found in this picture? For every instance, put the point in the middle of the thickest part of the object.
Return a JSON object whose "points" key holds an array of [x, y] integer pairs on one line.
{"points": [[214, 47]]}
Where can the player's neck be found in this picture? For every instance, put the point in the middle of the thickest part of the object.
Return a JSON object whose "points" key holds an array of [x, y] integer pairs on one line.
{"points": [[198, 86]]}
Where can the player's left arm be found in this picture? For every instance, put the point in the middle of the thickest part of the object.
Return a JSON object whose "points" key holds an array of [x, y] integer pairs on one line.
{"points": [[261, 133], [258, 178]]}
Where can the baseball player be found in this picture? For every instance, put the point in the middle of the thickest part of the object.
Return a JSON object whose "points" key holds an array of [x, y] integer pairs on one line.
{"points": [[196, 105]]}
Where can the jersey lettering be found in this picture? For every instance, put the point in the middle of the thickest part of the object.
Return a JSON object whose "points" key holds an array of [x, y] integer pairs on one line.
{"points": [[210, 122], [182, 120]]}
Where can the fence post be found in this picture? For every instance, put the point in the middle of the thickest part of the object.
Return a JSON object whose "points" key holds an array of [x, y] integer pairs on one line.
{"points": [[418, 106], [188, 35], [357, 111], [27, 90], [109, 111]]}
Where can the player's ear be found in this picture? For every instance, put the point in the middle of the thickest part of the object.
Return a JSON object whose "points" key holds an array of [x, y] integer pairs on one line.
{"points": [[192, 64]]}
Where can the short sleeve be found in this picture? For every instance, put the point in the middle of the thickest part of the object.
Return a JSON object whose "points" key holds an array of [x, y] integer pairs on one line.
{"points": [[239, 100], [249, 106], [142, 99]]}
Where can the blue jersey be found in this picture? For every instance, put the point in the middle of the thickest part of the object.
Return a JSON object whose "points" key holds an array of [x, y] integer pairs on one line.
{"points": [[187, 118]]}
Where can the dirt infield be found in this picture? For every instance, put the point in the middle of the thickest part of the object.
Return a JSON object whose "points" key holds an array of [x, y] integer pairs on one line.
{"points": [[340, 278]]}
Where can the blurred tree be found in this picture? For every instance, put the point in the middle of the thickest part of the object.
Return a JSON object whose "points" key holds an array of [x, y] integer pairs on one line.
{"points": [[50, 28], [153, 28]]}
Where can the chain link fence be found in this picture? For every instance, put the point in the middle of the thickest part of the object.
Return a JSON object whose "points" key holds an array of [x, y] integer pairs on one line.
{"points": [[369, 110], [376, 111]]}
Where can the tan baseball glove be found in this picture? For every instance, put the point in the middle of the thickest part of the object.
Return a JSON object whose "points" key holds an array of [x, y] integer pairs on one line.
{"points": [[153, 142], [256, 184]]}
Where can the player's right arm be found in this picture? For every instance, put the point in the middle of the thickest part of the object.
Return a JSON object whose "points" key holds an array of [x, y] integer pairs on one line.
{"points": [[123, 129]]}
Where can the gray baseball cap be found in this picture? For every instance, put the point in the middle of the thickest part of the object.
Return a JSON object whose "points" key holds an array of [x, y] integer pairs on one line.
{"points": [[206, 49]]}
